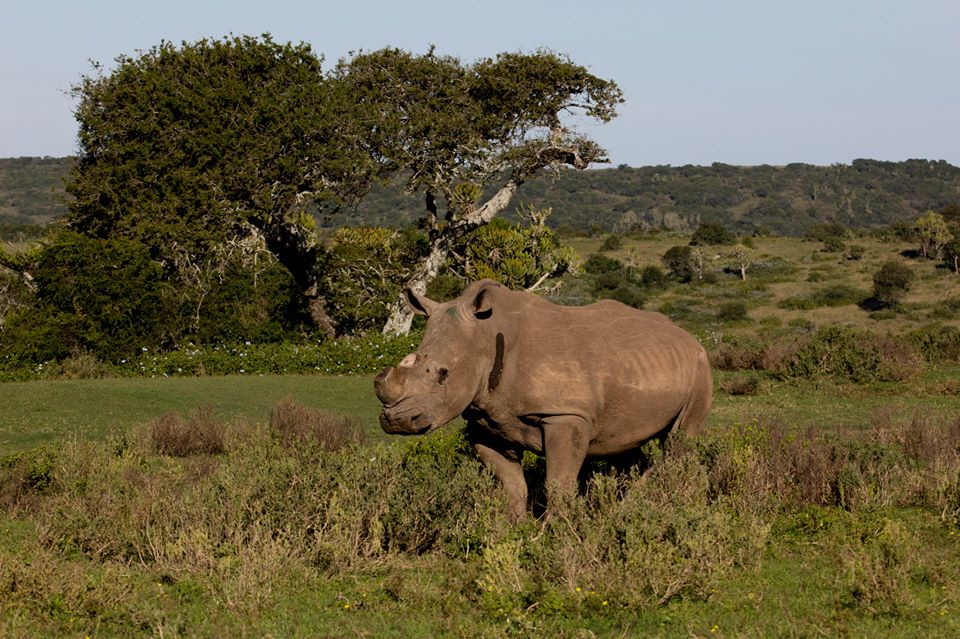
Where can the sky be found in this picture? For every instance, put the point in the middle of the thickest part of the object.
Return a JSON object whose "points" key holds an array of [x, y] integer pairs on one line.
{"points": [[742, 82]]}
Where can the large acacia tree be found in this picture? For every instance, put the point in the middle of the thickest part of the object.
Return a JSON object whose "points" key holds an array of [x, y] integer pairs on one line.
{"points": [[228, 142]]}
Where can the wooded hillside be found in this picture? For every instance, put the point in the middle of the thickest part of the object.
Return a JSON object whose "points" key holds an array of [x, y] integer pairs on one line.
{"points": [[785, 200]]}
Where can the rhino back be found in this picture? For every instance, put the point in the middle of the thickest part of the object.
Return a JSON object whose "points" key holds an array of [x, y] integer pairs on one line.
{"points": [[627, 372]]}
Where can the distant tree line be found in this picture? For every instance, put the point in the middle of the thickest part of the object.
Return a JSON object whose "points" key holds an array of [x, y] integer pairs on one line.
{"points": [[784, 200]]}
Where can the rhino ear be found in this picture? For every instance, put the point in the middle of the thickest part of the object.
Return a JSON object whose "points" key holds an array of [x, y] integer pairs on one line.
{"points": [[483, 301], [421, 304]]}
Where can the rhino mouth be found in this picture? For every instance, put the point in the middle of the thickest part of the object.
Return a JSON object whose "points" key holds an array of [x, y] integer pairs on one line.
{"points": [[401, 422]]}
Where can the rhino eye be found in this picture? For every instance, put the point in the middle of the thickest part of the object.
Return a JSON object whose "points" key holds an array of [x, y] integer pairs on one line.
{"points": [[442, 375]]}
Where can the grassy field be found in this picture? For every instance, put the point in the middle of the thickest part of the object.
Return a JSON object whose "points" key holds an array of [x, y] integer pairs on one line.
{"points": [[47, 411], [820, 569]]}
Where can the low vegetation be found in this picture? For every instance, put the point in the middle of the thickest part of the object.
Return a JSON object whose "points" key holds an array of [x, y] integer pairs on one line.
{"points": [[277, 528]]}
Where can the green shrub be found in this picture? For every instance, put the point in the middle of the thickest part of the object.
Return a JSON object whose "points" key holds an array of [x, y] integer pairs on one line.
{"points": [[597, 264], [891, 283], [653, 277], [103, 296], [837, 295], [735, 311], [833, 244], [711, 234], [937, 344], [679, 263], [611, 242], [825, 231]]}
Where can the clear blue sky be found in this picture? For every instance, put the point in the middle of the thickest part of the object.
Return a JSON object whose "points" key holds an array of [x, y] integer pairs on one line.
{"points": [[735, 81]]}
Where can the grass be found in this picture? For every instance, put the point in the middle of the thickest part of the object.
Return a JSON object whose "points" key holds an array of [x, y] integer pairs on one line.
{"points": [[40, 412], [45, 412]]}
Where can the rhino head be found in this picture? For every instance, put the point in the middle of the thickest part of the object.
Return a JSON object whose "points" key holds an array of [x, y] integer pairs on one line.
{"points": [[437, 382]]}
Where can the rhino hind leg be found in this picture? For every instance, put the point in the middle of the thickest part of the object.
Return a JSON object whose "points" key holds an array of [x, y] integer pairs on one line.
{"points": [[694, 413]]}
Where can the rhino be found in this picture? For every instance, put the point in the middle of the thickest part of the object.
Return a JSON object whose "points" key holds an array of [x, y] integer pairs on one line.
{"points": [[564, 382]]}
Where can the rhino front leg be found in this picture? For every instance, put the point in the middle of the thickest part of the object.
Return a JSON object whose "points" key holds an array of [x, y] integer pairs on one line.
{"points": [[505, 466], [565, 442]]}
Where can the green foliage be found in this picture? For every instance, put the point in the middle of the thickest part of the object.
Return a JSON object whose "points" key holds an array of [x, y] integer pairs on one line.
{"points": [[833, 244], [512, 254], [836, 295], [366, 271], [597, 264], [844, 353], [711, 234], [934, 234], [937, 343], [735, 311], [105, 296], [611, 242], [652, 277], [884, 196], [826, 232], [679, 263], [211, 141], [891, 283]]}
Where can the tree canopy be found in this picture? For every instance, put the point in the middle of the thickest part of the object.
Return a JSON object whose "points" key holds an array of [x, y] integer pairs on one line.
{"points": [[237, 140]]}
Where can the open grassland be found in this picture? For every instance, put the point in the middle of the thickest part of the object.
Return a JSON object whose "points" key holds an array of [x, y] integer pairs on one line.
{"points": [[784, 268], [806, 508]]}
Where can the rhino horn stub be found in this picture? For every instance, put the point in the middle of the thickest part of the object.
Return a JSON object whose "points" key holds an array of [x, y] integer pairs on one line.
{"points": [[387, 391]]}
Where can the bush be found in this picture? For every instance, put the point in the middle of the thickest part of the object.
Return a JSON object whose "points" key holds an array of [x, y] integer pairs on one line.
{"points": [[741, 385], [825, 232], [611, 242], [297, 424], [937, 344], [855, 252], [891, 283], [837, 295], [833, 244], [679, 263], [711, 234], [846, 354], [106, 297], [653, 277], [597, 264], [732, 312], [200, 434]]}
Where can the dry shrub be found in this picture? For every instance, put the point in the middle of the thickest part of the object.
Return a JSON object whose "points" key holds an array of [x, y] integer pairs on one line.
{"points": [[741, 385], [730, 356], [298, 424], [843, 353], [200, 434], [79, 365]]}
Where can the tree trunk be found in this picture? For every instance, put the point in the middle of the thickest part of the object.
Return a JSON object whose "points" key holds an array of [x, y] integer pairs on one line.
{"points": [[401, 316]]}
